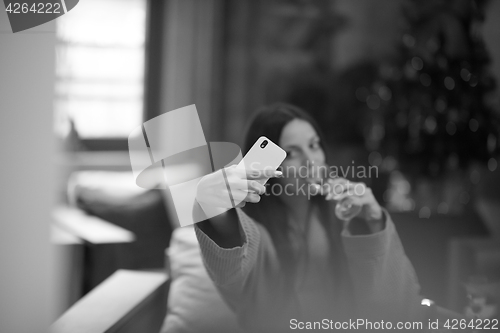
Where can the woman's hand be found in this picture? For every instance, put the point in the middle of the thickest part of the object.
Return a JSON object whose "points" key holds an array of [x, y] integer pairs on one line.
{"points": [[231, 187], [222, 190], [358, 194]]}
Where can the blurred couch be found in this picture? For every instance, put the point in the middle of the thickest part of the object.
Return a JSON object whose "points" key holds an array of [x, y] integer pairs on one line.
{"points": [[112, 196]]}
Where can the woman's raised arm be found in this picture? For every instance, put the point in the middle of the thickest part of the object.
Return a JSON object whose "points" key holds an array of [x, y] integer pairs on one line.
{"points": [[219, 192]]}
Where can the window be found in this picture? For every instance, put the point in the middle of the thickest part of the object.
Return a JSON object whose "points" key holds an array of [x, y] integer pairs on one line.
{"points": [[100, 68]]}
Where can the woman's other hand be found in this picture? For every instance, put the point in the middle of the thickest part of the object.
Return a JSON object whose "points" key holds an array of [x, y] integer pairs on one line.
{"points": [[358, 194]]}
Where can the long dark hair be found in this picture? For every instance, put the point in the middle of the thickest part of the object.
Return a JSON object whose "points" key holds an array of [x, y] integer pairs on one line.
{"points": [[271, 212]]}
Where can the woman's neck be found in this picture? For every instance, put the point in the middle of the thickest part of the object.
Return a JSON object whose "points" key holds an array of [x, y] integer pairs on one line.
{"points": [[298, 206]]}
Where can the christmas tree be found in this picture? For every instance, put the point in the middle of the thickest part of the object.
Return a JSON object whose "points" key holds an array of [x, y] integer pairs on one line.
{"points": [[432, 106]]}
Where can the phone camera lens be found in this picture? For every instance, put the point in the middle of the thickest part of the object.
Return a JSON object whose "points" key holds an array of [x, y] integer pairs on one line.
{"points": [[263, 144]]}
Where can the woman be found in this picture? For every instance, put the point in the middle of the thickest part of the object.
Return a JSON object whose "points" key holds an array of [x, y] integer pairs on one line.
{"points": [[285, 261]]}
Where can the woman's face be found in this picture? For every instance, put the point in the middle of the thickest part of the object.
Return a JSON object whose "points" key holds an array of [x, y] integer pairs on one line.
{"points": [[304, 154]]}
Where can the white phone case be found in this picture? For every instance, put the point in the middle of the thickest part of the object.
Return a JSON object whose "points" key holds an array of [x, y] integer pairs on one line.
{"points": [[264, 155]]}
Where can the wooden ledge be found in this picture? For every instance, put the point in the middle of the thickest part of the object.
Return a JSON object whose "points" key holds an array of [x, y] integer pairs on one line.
{"points": [[128, 301]]}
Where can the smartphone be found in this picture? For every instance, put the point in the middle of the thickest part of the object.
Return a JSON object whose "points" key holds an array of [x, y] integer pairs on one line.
{"points": [[264, 155]]}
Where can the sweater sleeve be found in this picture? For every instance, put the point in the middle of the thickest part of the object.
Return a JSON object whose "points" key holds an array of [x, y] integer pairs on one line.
{"points": [[384, 281], [231, 266], [245, 275]]}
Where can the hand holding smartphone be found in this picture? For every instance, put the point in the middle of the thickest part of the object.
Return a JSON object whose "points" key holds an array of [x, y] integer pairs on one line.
{"points": [[264, 155]]}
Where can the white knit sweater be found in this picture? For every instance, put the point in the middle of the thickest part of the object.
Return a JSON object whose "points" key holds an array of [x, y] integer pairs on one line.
{"points": [[380, 282]]}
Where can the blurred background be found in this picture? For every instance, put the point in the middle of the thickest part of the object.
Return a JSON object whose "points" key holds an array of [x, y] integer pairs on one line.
{"points": [[410, 87]]}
